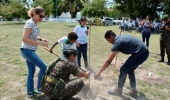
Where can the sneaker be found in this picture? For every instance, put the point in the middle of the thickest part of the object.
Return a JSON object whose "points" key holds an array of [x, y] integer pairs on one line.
{"points": [[30, 94], [35, 92], [132, 93], [116, 91]]}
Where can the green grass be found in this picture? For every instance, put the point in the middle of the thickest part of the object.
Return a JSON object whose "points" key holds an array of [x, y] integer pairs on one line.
{"points": [[14, 70]]}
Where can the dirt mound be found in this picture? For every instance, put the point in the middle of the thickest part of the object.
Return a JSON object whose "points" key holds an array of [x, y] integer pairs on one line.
{"points": [[149, 77]]}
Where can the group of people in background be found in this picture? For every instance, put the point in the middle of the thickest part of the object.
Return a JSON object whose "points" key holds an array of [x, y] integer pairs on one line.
{"points": [[144, 24], [55, 82], [126, 25]]}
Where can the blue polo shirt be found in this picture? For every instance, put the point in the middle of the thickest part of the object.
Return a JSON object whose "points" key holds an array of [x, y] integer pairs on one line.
{"points": [[128, 44]]}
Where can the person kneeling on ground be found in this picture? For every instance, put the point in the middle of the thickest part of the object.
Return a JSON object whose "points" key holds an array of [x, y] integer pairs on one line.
{"points": [[126, 44], [57, 84]]}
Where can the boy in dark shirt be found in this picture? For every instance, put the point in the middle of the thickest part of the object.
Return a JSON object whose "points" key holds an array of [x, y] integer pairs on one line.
{"points": [[126, 44]]}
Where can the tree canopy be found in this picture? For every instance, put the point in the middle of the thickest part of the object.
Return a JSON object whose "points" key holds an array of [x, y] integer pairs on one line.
{"points": [[72, 5], [95, 8], [47, 5], [142, 8], [13, 9]]}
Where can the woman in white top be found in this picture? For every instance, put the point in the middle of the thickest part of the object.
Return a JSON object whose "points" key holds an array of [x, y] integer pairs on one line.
{"points": [[30, 41], [82, 41]]}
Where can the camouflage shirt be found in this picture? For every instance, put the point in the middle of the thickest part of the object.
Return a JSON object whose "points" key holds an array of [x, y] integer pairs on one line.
{"points": [[63, 68]]}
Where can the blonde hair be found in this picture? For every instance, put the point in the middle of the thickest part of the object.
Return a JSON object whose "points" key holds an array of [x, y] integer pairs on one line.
{"points": [[35, 10]]}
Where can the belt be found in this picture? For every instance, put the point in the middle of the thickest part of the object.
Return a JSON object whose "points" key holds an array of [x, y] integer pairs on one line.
{"points": [[51, 79], [26, 49]]}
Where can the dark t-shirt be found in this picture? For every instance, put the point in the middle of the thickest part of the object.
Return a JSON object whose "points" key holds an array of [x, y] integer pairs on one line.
{"points": [[128, 44]]}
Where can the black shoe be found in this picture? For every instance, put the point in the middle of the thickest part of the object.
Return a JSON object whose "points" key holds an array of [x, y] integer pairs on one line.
{"points": [[168, 61], [54, 99], [70, 98], [132, 93], [66, 98]]}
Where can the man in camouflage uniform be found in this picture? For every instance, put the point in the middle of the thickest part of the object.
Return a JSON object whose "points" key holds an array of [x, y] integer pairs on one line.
{"points": [[57, 84], [166, 37], [162, 44]]}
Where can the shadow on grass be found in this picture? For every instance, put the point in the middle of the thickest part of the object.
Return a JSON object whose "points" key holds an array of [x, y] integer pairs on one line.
{"points": [[40, 97], [12, 23], [141, 96]]}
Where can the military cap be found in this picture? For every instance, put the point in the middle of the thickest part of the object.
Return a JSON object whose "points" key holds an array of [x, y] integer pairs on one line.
{"points": [[165, 17], [71, 50]]}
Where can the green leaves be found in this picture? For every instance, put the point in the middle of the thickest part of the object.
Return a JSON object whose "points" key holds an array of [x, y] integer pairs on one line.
{"points": [[136, 8], [13, 9], [94, 8], [47, 5]]}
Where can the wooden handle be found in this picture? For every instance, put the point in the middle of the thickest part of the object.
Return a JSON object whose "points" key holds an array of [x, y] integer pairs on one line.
{"points": [[52, 53]]}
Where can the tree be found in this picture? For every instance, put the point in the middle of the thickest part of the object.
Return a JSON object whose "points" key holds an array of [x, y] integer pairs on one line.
{"points": [[47, 5], [95, 8], [165, 5], [134, 8], [113, 12], [4, 1], [70, 4], [13, 9], [56, 11]]}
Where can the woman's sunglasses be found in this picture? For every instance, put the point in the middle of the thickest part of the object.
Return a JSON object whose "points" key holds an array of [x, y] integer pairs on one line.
{"points": [[41, 16]]}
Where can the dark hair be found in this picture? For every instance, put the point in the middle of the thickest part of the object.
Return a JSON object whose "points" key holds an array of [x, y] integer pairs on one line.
{"points": [[109, 33], [72, 36], [68, 52], [150, 18], [83, 19]]}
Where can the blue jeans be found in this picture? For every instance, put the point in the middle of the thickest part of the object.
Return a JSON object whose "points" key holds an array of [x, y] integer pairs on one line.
{"points": [[32, 60], [128, 68], [147, 36], [82, 49]]}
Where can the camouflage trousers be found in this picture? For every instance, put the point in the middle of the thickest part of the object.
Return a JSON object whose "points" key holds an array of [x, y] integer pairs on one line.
{"points": [[162, 47], [71, 88], [167, 44]]}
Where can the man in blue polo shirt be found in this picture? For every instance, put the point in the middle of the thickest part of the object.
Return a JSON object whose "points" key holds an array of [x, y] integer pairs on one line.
{"points": [[126, 44]]}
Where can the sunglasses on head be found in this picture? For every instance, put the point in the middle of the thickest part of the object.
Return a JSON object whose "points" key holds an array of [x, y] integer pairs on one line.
{"points": [[41, 16]]}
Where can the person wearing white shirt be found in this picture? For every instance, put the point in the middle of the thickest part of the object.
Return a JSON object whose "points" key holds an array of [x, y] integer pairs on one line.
{"points": [[82, 41], [66, 42]]}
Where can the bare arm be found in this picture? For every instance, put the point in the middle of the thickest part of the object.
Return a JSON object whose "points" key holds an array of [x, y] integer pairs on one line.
{"points": [[87, 32], [26, 39], [106, 64], [150, 24], [51, 50], [84, 74], [141, 23], [77, 44], [42, 39]]}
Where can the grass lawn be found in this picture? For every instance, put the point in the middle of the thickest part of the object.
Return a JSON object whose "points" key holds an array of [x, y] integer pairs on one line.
{"points": [[13, 68]]}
